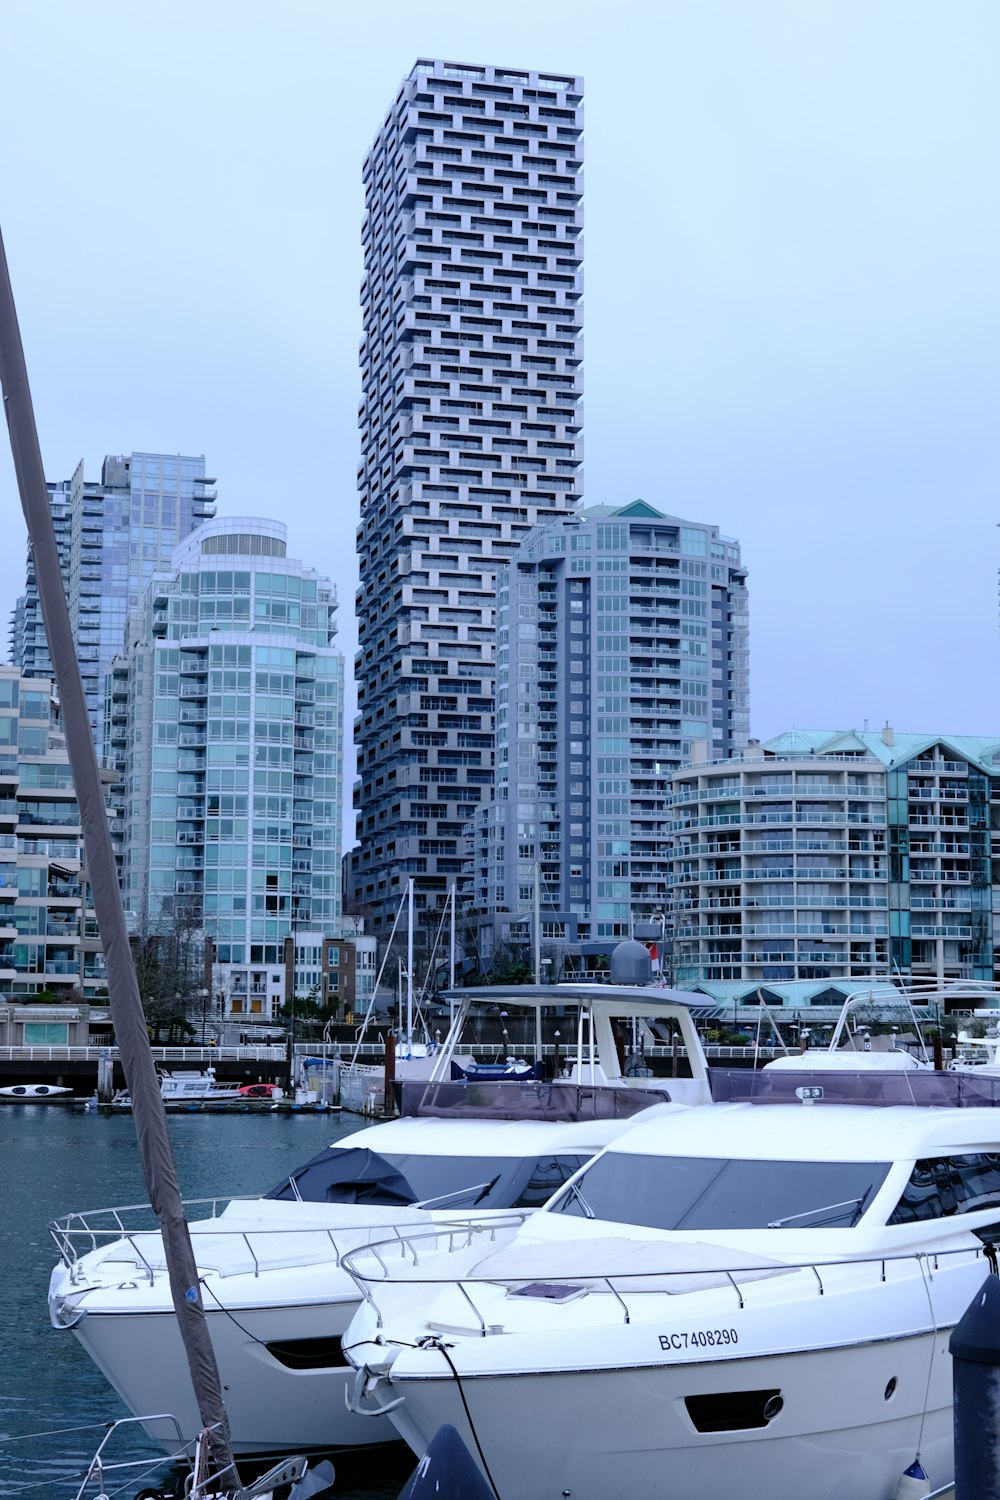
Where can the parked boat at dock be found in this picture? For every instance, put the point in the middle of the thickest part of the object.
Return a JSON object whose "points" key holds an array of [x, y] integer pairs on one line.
{"points": [[276, 1301], [758, 1298], [183, 1090]]}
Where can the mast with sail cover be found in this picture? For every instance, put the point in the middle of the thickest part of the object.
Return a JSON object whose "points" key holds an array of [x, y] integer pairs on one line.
{"points": [[123, 989]]}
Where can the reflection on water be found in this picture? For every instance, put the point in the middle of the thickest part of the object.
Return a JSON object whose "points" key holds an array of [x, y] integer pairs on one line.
{"points": [[55, 1404]]}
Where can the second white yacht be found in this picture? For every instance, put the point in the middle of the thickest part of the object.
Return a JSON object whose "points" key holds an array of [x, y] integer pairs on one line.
{"points": [[751, 1300]]}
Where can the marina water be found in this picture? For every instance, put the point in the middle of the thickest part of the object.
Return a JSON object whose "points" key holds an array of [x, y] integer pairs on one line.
{"points": [[56, 1160]]}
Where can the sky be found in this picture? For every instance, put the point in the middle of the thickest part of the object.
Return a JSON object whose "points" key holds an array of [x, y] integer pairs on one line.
{"points": [[792, 300]]}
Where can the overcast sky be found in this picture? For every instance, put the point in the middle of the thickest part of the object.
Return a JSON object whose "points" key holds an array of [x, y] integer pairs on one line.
{"points": [[792, 306]]}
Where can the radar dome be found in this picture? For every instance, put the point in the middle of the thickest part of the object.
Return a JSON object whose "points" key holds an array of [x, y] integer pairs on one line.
{"points": [[631, 963]]}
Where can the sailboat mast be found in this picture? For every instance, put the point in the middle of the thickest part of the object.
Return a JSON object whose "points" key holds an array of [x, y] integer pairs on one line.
{"points": [[409, 962], [123, 988], [451, 954]]}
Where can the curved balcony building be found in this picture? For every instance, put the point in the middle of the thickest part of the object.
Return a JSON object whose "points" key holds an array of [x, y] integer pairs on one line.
{"points": [[822, 855]]}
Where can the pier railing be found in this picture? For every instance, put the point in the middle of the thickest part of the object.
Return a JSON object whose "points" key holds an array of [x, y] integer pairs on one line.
{"points": [[167, 1056]]}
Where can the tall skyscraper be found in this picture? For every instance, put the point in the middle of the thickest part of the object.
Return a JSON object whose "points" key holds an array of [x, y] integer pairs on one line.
{"points": [[470, 434], [621, 655], [228, 718], [112, 535]]}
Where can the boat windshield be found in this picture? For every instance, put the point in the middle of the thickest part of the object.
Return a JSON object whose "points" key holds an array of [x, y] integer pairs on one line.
{"points": [[676, 1192], [356, 1175]]}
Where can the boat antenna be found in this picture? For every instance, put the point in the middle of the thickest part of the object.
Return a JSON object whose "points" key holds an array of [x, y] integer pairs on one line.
{"points": [[123, 988]]}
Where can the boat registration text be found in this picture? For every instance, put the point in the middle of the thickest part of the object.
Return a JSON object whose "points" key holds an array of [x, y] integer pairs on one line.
{"points": [[699, 1338]]}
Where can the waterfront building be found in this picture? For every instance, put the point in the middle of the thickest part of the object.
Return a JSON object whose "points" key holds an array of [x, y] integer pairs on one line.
{"points": [[227, 719], [822, 854], [322, 971], [470, 435], [112, 535], [621, 653], [46, 926]]}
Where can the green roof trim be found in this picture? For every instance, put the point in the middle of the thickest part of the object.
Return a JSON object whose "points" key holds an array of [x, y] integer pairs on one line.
{"points": [[641, 510], [981, 751]]}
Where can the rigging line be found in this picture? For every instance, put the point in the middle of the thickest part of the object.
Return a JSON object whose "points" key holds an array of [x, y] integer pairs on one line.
{"points": [[148, 1465], [930, 1365], [468, 1418], [27, 1437], [231, 1316], [149, 1472]]}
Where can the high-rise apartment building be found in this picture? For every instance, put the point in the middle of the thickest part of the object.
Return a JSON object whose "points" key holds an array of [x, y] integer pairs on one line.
{"points": [[227, 717], [47, 936], [823, 854], [112, 536], [621, 655], [470, 434], [29, 648]]}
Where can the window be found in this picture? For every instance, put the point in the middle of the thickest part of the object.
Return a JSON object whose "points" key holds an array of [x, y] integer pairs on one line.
{"points": [[949, 1185], [46, 1034], [352, 1175], [702, 1193]]}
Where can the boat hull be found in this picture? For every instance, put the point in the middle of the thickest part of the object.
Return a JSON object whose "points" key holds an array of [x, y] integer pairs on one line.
{"points": [[272, 1408], [603, 1432]]}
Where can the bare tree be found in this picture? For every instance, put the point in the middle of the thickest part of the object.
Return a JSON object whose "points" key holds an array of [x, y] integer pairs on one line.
{"points": [[169, 964]]}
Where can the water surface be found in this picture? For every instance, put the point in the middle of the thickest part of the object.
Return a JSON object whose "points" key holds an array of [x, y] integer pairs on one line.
{"points": [[54, 1403]]}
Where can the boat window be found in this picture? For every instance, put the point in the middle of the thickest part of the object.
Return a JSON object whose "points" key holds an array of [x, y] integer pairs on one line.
{"points": [[487, 1182], [949, 1185], [356, 1175], [671, 1192]]}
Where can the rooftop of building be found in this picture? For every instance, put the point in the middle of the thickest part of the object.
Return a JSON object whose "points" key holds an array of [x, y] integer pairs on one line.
{"points": [[891, 746]]}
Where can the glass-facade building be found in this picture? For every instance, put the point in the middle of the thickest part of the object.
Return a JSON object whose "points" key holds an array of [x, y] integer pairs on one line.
{"points": [[470, 434], [29, 647], [227, 715], [113, 535], [622, 653]]}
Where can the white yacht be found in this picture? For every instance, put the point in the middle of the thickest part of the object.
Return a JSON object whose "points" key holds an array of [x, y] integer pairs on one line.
{"points": [[751, 1300], [276, 1301]]}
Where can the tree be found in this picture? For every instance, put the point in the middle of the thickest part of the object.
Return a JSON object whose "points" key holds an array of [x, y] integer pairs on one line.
{"points": [[169, 966], [307, 1014]]}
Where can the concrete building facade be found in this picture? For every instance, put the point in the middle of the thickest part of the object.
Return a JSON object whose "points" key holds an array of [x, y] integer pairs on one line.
{"points": [[824, 854], [47, 932], [470, 434]]}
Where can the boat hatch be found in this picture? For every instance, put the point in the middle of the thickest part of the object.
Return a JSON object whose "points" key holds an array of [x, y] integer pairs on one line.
{"points": [[549, 1291]]}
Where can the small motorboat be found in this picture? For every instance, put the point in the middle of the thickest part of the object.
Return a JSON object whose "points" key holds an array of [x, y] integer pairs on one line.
{"points": [[191, 1090], [33, 1091]]}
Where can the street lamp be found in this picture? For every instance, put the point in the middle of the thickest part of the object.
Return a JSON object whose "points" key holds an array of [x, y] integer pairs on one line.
{"points": [[203, 996]]}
